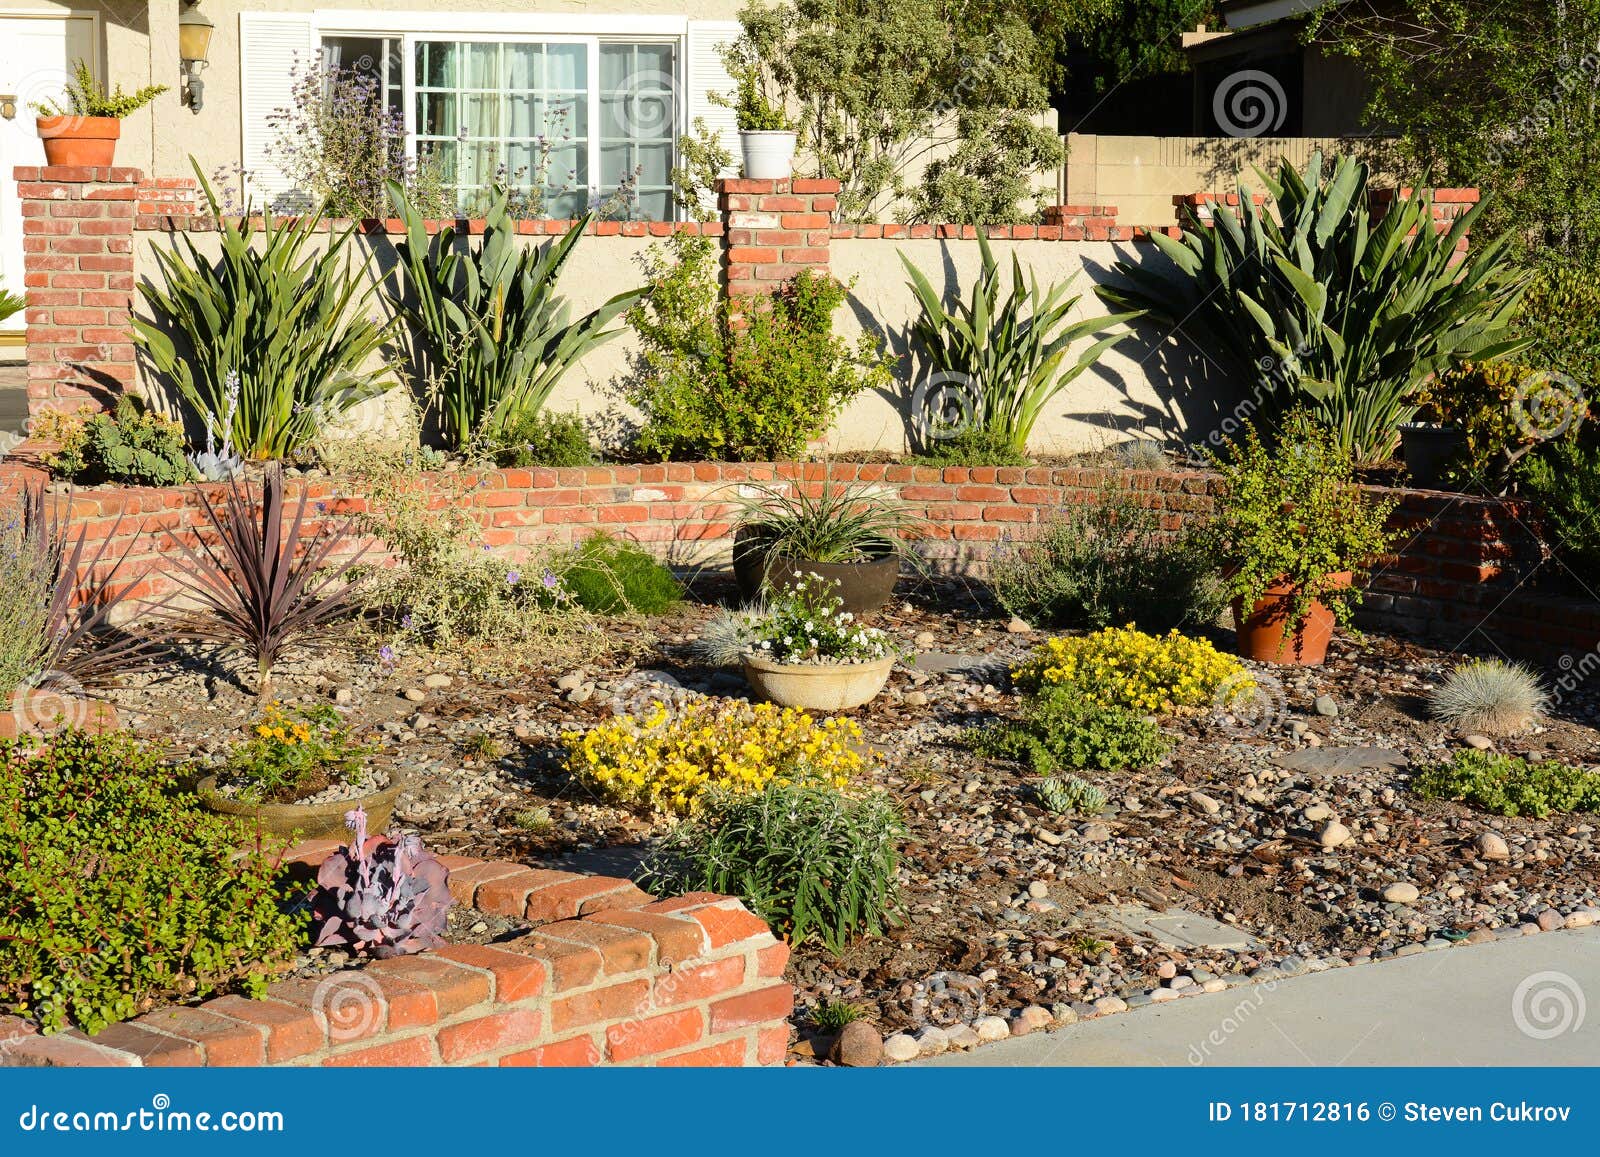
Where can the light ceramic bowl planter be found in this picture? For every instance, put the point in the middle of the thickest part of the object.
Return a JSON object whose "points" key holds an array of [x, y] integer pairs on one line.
{"points": [[768, 154], [817, 686], [307, 821]]}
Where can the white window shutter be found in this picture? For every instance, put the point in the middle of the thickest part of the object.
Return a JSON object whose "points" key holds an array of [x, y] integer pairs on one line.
{"points": [[705, 74], [271, 48]]}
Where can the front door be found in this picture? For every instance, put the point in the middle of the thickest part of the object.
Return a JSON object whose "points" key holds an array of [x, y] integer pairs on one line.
{"points": [[36, 58]]}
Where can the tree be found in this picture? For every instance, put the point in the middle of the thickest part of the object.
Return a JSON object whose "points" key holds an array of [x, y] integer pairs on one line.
{"points": [[884, 88], [1505, 96]]}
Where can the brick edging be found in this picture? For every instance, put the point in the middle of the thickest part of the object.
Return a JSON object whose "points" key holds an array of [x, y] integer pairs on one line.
{"points": [[609, 975]]}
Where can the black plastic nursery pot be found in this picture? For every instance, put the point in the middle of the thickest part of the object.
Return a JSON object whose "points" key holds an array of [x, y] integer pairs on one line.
{"points": [[863, 587], [1428, 449]]}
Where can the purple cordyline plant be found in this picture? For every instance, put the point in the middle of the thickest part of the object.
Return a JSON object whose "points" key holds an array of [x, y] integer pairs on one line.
{"points": [[380, 895]]}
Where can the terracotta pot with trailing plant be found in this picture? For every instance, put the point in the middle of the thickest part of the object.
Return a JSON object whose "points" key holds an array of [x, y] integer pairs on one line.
{"points": [[83, 127], [1295, 530], [802, 649], [852, 536]]}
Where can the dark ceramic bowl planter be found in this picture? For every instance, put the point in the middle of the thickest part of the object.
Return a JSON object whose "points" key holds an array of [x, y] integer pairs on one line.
{"points": [[1427, 449], [306, 821], [863, 587], [1264, 630]]}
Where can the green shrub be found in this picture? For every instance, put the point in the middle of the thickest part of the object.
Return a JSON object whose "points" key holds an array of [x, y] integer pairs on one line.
{"points": [[809, 860], [120, 892], [1311, 302], [754, 387], [291, 753], [27, 581], [995, 362], [971, 448], [272, 340], [541, 439], [1561, 315], [87, 97], [1110, 563], [610, 577], [11, 304], [1504, 410], [132, 445], [487, 331], [1510, 786], [1563, 480], [1296, 513], [1061, 730]]}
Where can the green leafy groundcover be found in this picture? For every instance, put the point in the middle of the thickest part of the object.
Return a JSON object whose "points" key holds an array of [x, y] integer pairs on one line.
{"points": [[1510, 786], [119, 892]]}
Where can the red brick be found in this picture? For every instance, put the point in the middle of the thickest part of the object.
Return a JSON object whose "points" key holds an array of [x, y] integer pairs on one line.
{"points": [[568, 965], [454, 989], [760, 1007], [599, 1005], [508, 895], [677, 938], [412, 1052], [488, 1034], [574, 897], [516, 977], [771, 1045], [657, 1034], [772, 961], [63, 1052], [726, 924], [291, 1032], [226, 1042], [154, 1050], [700, 982], [729, 1054], [465, 881], [621, 949], [577, 1052]]}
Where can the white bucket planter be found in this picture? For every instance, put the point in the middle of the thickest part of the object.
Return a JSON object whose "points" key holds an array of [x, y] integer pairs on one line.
{"points": [[768, 155], [818, 686]]}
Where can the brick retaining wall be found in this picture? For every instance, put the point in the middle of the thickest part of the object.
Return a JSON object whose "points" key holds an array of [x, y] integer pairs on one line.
{"points": [[1459, 571], [610, 976]]}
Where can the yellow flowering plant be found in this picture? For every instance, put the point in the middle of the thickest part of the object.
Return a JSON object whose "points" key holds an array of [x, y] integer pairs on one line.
{"points": [[1124, 667], [671, 757], [289, 753]]}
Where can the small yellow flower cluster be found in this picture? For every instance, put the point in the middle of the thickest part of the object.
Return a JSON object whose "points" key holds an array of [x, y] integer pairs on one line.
{"points": [[672, 756], [274, 724], [1123, 667]]}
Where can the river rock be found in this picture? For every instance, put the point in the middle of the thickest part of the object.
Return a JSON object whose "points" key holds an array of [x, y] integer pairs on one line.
{"points": [[860, 1046]]}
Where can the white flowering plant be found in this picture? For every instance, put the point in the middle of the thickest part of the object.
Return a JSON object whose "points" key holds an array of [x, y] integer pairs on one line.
{"points": [[804, 623]]}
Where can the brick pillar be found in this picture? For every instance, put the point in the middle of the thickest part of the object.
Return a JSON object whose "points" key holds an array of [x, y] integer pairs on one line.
{"points": [[1083, 222], [77, 241], [1447, 205], [771, 230]]}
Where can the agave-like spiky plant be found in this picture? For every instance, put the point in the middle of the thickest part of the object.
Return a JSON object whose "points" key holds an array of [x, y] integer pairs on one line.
{"points": [[381, 895], [486, 328], [66, 596], [261, 587], [1314, 303], [270, 341], [1003, 359]]}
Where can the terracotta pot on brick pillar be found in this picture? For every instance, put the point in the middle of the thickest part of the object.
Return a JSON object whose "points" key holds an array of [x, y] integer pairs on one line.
{"points": [[74, 140]]}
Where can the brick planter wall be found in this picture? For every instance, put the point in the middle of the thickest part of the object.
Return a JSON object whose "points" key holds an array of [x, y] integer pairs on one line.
{"points": [[609, 977], [1459, 569]]}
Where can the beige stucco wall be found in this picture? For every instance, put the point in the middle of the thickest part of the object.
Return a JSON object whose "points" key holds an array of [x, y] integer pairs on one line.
{"points": [[1140, 175], [1145, 388]]}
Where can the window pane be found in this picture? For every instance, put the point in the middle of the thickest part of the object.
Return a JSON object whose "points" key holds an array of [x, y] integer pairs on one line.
{"points": [[656, 58], [436, 65], [654, 206], [567, 66], [616, 161], [522, 67], [616, 62], [436, 114], [655, 164], [483, 66]]}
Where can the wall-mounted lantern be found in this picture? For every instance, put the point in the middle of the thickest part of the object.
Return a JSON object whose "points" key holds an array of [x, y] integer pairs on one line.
{"points": [[194, 42]]}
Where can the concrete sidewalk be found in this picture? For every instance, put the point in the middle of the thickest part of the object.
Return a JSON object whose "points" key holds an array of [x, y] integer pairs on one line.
{"points": [[1513, 1002]]}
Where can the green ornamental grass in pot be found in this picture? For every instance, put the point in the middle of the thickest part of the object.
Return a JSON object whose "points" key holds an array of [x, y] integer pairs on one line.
{"points": [[851, 535], [1294, 530]]}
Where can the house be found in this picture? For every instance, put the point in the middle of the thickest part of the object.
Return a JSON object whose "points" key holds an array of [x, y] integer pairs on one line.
{"points": [[472, 80]]}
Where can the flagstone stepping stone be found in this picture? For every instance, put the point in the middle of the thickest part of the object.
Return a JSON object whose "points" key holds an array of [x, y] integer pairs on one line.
{"points": [[1175, 927], [1341, 760]]}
